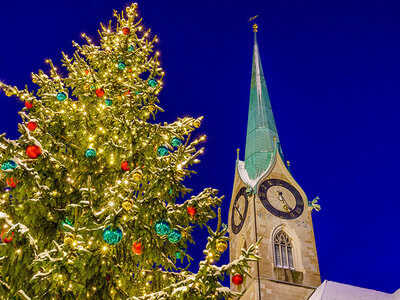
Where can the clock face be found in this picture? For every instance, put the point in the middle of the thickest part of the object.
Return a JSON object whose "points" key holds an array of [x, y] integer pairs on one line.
{"points": [[281, 198], [239, 212]]}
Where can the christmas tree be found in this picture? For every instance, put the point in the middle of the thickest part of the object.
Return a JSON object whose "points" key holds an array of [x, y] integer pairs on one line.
{"points": [[94, 204]]}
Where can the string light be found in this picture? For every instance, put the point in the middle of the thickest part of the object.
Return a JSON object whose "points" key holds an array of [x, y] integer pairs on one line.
{"points": [[95, 80]]}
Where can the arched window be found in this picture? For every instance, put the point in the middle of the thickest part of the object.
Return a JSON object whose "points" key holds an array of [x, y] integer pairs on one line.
{"points": [[283, 251]]}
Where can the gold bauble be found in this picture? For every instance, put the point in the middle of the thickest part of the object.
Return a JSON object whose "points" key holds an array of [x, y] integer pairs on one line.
{"points": [[196, 123], [9, 93], [137, 175], [127, 205], [69, 239], [222, 246]]}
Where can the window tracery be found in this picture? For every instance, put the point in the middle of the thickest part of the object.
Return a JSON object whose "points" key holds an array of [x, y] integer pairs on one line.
{"points": [[283, 251]]}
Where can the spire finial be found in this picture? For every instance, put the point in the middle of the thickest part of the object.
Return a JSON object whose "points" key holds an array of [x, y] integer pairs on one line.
{"points": [[237, 151], [255, 27]]}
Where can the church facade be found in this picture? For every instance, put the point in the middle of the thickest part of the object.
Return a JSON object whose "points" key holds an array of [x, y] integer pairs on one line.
{"points": [[269, 206]]}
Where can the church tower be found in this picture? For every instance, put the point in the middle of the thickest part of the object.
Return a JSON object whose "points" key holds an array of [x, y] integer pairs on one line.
{"points": [[268, 203]]}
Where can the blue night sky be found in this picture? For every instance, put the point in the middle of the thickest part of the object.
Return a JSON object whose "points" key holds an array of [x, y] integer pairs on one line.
{"points": [[332, 70]]}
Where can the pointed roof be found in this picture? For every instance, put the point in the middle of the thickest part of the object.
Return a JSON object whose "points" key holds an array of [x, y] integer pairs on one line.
{"points": [[261, 128]]}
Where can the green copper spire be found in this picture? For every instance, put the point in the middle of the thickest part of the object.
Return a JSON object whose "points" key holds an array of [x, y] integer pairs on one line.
{"points": [[261, 128]]}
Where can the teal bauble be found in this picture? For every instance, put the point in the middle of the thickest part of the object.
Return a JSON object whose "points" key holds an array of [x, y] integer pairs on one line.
{"points": [[112, 236], [153, 82], [130, 48], [61, 96], [174, 236], [66, 221], [108, 102], [9, 165], [162, 151], [90, 153], [175, 142], [180, 254], [121, 65], [162, 227]]}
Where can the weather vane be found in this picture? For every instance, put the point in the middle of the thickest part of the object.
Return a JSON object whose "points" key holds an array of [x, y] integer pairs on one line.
{"points": [[251, 19]]}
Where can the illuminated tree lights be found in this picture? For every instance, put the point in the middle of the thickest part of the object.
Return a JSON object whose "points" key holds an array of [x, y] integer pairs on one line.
{"points": [[95, 205]]}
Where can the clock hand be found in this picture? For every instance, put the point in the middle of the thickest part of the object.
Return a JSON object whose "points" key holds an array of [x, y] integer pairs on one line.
{"points": [[285, 204], [238, 210]]}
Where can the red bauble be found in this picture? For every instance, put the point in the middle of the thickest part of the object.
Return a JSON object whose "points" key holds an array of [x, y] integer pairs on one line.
{"points": [[237, 279], [31, 126], [11, 183], [125, 166], [33, 151], [28, 104], [100, 92], [86, 72], [126, 30], [137, 248], [191, 211], [7, 239], [108, 278], [127, 93]]}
